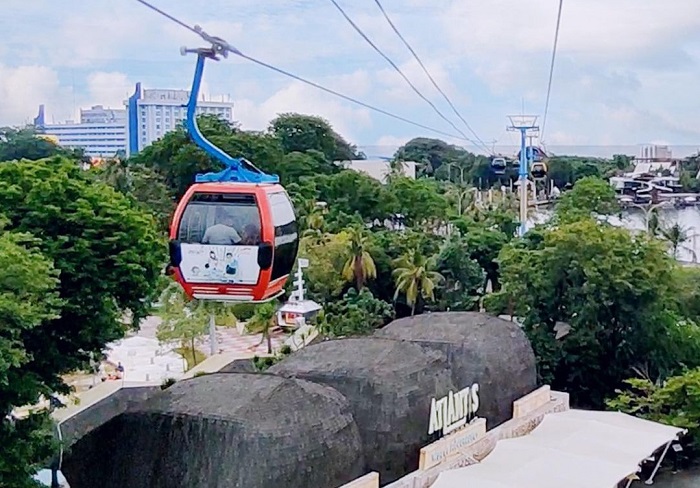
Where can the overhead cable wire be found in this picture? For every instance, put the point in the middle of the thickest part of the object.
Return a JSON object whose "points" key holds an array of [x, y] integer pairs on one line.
{"points": [[398, 70], [308, 82], [437, 87], [551, 70]]}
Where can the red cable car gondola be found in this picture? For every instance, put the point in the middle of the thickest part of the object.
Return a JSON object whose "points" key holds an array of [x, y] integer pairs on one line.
{"points": [[234, 234]]}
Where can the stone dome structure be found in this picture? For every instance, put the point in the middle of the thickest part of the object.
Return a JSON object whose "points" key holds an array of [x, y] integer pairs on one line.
{"points": [[480, 348], [225, 430], [389, 385]]}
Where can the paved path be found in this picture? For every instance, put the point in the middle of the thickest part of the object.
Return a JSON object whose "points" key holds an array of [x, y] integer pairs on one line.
{"points": [[229, 340]]}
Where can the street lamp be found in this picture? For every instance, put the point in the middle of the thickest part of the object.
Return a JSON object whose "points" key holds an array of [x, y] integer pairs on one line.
{"points": [[647, 210], [461, 172]]}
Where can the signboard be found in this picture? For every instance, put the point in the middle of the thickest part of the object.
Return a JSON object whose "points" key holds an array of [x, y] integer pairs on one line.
{"points": [[370, 480], [437, 452], [166, 95], [205, 263], [454, 410], [532, 401]]}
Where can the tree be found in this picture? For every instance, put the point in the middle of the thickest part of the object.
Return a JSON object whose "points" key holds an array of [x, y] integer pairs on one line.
{"points": [[16, 144], [432, 154], [28, 298], [359, 266], [676, 401], [357, 313], [421, 201], [416, 278], [687, 292], [107, 250], [616, 293], [590, 196], [351, 192], [676, 235], [300, 133], [324, 276], [463, 276], [262, 322], [143, 184], [183, 320]]}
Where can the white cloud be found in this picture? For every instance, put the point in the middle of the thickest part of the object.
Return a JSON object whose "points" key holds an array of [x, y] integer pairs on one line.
{"points": [[111, 89], [298, 97], [625, 73], [22, 88]]}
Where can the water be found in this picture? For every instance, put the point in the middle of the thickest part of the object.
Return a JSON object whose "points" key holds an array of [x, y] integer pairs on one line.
{"points": [[633, 219]]}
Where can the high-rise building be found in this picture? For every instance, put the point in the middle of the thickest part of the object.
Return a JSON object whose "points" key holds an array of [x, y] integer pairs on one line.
{"points": [[101, 132], [153, 113]]}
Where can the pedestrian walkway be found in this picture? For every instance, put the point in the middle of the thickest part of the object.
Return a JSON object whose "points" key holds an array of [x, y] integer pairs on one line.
{"points": [[229, 340]]}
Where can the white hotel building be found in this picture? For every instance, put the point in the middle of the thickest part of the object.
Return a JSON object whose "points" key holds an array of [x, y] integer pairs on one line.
{"points": [[152, 113], [101, 132], [149, 115]]}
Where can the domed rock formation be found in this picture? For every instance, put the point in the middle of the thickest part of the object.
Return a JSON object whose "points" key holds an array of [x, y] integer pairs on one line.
{"points": [[480, 348], [389, 385], [225, 430]]}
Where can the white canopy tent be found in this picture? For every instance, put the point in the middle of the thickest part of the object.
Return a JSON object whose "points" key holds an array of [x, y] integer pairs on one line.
{"points": [[575, 448]]}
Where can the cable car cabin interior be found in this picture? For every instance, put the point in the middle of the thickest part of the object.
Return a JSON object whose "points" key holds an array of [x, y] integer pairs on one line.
{"points": [[499, 165], [234, 241]]}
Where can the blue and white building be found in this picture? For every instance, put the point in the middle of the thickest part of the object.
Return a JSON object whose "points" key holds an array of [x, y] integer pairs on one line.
{"points": [[101, 132], [149, 115], [153, 113]]}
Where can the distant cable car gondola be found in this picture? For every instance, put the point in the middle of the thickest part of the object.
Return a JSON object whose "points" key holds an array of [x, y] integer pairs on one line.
{"points": [[234, 233], [498, 166], [538, 170], [534, 153]]}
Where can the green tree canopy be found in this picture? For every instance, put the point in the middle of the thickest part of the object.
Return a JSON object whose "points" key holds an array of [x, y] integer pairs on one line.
{"points": [[25, 143], [615, 292], [300, 133], [108, 252], [590, 196]]}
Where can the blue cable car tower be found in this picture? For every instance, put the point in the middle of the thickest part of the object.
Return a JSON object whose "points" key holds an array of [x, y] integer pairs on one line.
{"points": [[525, 124]]}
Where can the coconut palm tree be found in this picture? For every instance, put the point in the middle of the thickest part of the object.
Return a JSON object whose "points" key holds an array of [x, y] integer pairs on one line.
{"points": [[262, 322], [676, 235], [315, 226], [415, 277], [359, 266]]}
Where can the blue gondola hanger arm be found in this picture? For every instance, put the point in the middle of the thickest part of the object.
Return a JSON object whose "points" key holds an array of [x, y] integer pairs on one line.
{"points": [[238, 170]]}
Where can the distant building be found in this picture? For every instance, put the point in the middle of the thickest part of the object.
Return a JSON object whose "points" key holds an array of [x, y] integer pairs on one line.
{"points": [[379, 169], [656, 153], [101, 132], [153, 113]]}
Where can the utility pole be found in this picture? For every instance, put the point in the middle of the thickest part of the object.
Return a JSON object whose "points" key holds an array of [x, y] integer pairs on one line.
{"points": [[524, 124]]}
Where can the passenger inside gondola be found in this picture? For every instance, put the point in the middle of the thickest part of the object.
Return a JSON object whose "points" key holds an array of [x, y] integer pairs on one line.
{"points": [[251, 235], [223, 231]]}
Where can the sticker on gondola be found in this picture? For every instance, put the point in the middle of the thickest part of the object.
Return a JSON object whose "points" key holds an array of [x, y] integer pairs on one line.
{"points": [[204, 263]]}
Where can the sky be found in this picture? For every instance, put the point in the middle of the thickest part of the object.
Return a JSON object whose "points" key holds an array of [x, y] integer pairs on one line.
{"points": [[626, 73]]}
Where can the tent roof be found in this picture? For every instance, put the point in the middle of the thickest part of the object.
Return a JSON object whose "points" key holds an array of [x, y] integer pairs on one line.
{"points": [[575, 448]]}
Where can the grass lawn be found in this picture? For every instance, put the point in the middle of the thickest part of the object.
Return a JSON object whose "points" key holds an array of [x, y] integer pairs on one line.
{"points": [[192, 361]]}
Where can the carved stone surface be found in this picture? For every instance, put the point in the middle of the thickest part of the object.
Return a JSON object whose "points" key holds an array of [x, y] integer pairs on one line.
{"points": [[480, 348], [220, 430], [389, 384]]}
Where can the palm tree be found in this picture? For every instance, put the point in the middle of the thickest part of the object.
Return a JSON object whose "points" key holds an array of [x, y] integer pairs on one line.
{"points": [[360, 266], [262, 322], [315, 225], [676, 235], [415, 278]]}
